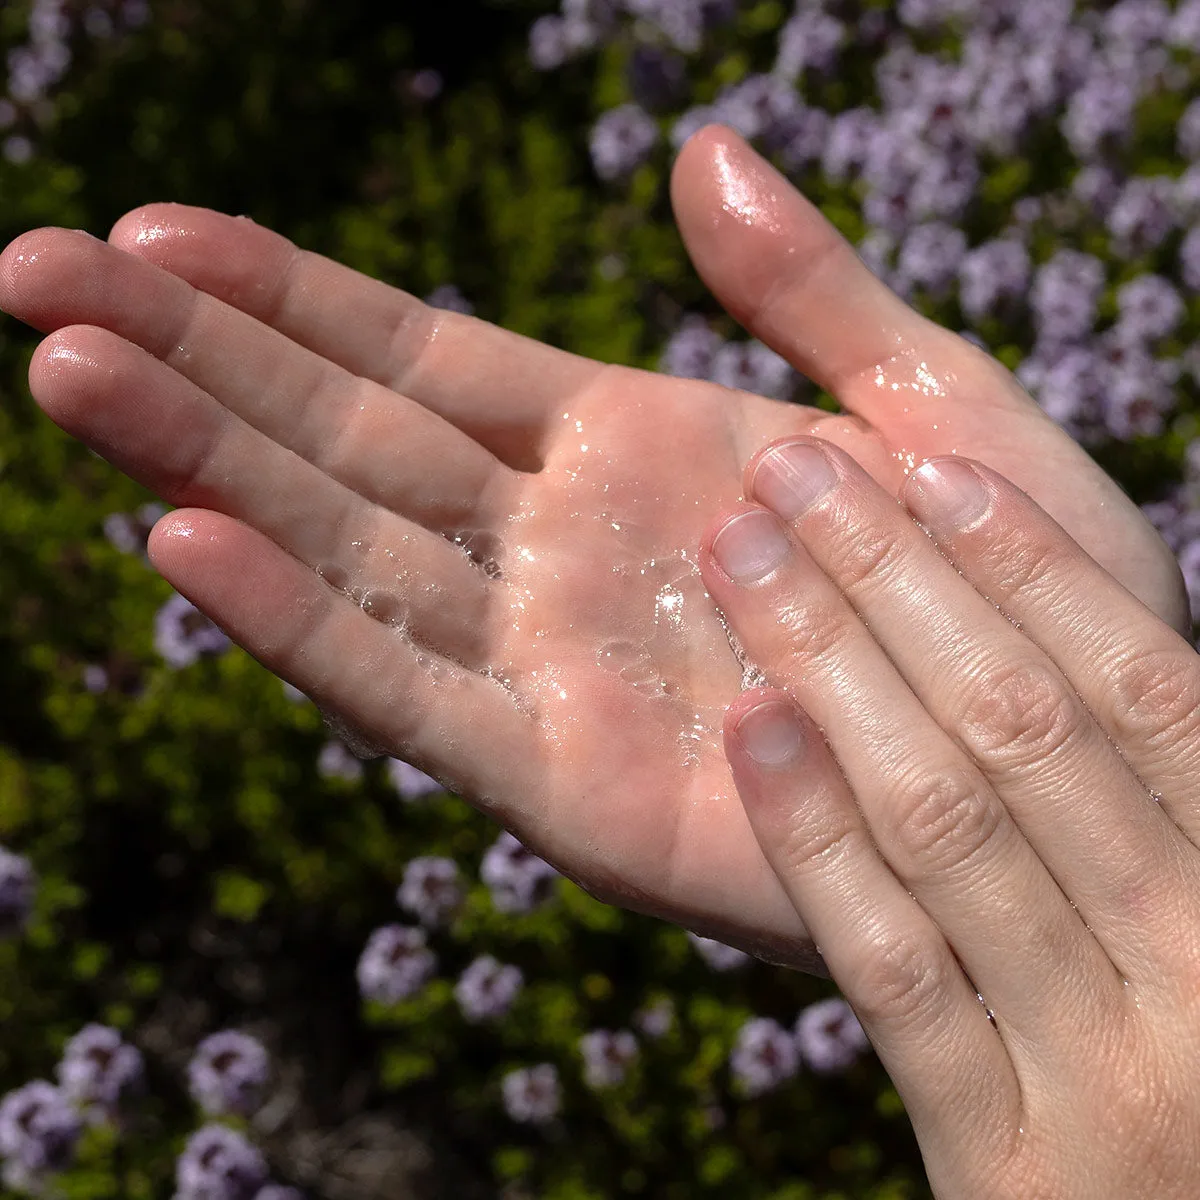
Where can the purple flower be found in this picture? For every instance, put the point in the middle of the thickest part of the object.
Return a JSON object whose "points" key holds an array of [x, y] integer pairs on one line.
{"points": [[1187, 131], [1185, 27], [487, 988], [532, 1094], [518, 880], [1096, 187], [1067, 383], [759, 106], [276, 1191], [622, 140], [430, 890], [1189, 258], [848, 145], [95, 678], [689, 353], [38, 1128], [811, 38], [336, 761], [18, 889], [451, 299], [411, 784], [98, 1069], [804, 140], [1149, 307], [1099, 112], [228, 1073], [426, 85], [1137, 24], [1065, 293], [691, 122], [878, 251], [218, 1163], [182, 633], [1143, 214], [1189, 564], [129, 532], [656, 1020], [555, 40], [1138, 391], [607, 1056], [717, 955], [829, 1035], [752, 367], [764, 1056], [992, 273], [930, 256], [395, 964]]}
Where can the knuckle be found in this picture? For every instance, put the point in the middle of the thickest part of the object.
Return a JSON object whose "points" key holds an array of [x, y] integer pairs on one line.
{"points": [[1021, 713], [867, 555], [942, 821], [1157, 697], [904, 983], [811, 631], [820, 842]]}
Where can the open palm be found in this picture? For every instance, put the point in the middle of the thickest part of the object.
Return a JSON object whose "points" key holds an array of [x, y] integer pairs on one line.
{"points": [[479, 551]]}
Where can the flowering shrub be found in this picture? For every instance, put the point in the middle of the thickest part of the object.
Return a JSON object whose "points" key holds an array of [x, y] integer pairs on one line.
{"points": [[188, 850]]}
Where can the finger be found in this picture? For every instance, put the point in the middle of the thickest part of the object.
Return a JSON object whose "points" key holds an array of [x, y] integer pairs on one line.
{"points": [[344, 425], [895, 968], [501, 389], [457, 725], [1139, 678], [782, 270], [996, 693], [169, 435], [936, 820]]}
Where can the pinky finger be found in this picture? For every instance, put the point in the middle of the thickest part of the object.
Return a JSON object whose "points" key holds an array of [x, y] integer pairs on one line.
{"points": [[891, 962]]}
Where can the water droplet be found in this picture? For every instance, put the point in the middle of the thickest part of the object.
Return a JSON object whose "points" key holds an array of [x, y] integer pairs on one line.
{"points": [[335, 576], [384, 607], [484, 549], [668, 607]]}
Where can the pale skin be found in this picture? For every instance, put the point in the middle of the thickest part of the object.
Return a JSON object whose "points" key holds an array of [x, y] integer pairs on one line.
{"points": [[969, 800], [303, 416]]}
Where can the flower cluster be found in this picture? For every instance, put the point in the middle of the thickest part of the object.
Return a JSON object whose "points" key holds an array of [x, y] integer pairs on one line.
{"points": [[228, 1074], [518, 880], [40, 1124], [827, 1037], [36, 68], [18, 888]]}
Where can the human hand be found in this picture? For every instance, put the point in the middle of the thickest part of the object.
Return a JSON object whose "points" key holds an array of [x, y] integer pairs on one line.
{"points": [[306, 417], [972, 798]]}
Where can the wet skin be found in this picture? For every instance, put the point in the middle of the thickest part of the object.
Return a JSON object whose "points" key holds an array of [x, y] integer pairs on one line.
{"points": [[329, 439]]}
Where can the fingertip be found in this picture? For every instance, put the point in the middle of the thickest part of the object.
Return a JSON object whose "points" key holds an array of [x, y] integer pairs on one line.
{"points": [[147, 226]]}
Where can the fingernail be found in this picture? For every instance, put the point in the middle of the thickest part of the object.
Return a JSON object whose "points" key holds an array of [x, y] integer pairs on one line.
{"points": [[793, 478], [750, 546], [771, 734], [947, 492]]}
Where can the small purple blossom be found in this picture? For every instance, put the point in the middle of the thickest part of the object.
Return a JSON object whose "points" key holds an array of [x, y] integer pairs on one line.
{"points": [[764, 1056], [410, 783], [1149, 308], [849, 142], [753, 367], [991, 274], [18, 889], [1100, 112], [690, 351], [622, 140], [1189, 564], [657, 77], [182, 633], [337, 761], [518, 879], [692, 121], [810, 39], [930, 257], [39, 1128], [1064, 295], [1143, 214], [395, 964], [129, 532], [829, 1036], [531, 1094], [98, 1069], [228, 1073], [486, 990], [1189, 258], [717, 955], [218, 1163], [431, 889], [607, 1056], [759, 106], [276, 1191], [451, 299], [656, 1020]]}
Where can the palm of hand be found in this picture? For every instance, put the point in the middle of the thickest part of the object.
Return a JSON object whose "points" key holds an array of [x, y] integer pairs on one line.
{"points": [[597, 671]]}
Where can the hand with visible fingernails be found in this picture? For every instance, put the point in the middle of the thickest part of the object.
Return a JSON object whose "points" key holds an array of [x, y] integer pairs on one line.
{"points": [[976, 774], [328, 439]]}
